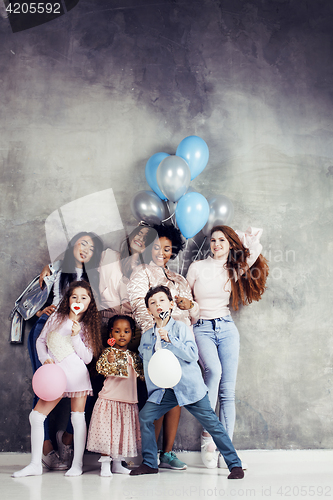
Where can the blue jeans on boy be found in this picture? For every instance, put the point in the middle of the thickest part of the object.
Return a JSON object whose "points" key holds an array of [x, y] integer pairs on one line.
{"points": [[218, 345], [201, 410]]}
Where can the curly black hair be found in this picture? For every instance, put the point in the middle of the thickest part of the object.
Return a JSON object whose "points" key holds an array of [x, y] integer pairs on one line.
{"points": [[115, 318], [174, 235]]}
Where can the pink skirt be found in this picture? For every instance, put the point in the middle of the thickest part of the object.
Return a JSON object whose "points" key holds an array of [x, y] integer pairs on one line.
{"points": [[115, 429]]}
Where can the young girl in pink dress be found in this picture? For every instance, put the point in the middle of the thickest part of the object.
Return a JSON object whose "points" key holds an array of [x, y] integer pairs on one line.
{"points": [[70, 338], [114, 429]]}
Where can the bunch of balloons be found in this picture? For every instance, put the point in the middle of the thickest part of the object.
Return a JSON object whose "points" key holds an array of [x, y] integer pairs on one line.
{"points": [[169, 177]]}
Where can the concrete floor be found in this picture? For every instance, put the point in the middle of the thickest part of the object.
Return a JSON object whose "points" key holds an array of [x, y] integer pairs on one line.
{"points": [[274, 474]]}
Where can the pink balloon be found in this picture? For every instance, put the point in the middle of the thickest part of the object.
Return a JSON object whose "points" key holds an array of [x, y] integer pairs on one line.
{"points": [[49, 382]]}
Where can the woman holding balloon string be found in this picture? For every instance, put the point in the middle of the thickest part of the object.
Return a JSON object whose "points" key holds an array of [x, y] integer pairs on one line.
{"points": [[82, 256], [70, 338], [166, 246], [235, 271]]}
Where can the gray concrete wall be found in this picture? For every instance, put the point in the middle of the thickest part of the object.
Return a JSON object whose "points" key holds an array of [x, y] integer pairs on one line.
{"points": [[86, 99]]}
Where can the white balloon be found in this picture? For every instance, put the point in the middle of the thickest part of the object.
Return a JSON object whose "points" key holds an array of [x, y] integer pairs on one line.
{"points": [[164, 369]]}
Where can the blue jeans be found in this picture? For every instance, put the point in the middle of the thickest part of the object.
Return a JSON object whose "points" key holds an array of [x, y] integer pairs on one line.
{"points": [[218, 345], [201, 410]]}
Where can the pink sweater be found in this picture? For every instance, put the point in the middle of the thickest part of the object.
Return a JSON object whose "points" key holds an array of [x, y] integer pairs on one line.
{"points": [[209, 280]]}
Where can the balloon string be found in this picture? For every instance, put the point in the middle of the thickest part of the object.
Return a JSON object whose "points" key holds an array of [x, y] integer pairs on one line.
{"points": [[204, 241], [164, 220], [181, 272]]}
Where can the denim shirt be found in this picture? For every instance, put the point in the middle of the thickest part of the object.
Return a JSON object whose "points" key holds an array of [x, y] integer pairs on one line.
{"points": [[191, 387]]}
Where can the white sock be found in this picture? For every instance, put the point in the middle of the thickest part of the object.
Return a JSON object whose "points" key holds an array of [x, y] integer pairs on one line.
{"points": [[117, 468], [105, 466], [35, 467], [79, 438]]}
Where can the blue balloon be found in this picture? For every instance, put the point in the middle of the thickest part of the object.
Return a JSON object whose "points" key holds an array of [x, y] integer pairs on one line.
{"points": [[192, 214], [151, 169], [195, 151]]}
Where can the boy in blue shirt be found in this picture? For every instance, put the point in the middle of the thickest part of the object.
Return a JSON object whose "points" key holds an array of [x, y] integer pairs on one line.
{"points": [[190, 391]]}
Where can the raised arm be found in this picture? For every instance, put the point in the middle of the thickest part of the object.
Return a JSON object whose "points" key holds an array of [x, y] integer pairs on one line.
{"points": [[251, 240]]}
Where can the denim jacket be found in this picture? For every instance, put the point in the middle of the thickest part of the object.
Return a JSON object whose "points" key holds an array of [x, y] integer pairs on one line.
{"points": [[191, 387]]}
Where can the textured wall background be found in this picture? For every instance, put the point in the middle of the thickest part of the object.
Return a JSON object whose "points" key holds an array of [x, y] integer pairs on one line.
{"points": [[87, 98]]}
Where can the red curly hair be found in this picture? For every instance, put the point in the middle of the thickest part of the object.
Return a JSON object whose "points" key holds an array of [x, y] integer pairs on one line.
{"points": [[90, 320], [251, 281]]}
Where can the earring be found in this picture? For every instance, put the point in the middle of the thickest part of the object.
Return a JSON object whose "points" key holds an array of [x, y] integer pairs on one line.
{"points": [[111, 341]]}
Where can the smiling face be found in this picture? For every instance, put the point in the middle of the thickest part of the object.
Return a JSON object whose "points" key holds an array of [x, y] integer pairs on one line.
{"points": [[138, 242], [122, 333], [158, 303], [83, 250], [79, 301], [162, 251], [219, 245]]}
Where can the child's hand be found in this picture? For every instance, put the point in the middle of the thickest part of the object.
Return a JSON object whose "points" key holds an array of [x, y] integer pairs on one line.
{"points": [[75, 328], [49, 361], [164, 334], [111, 357]]}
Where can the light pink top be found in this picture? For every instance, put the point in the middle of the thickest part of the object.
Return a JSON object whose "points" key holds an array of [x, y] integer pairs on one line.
{"points": [[147, 276], [69, 352], [209, 280], [122, 389], [113, 284]]}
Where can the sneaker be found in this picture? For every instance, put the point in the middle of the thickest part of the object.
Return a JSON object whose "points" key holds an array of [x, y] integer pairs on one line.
{"points": [[209, 453], [65, 451], [168, 460], [223, 465], [53, 462]]}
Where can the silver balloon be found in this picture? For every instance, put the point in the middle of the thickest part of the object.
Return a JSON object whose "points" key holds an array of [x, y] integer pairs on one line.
{"points": [[147, 206], [221, 213], [173, 177]]}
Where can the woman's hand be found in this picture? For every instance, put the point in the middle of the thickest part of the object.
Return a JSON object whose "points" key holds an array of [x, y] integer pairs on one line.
{"points": [[49, 361], [47, 310], [45, 272], [164, 334], [75, 328], [111, 357], [183, 303]]}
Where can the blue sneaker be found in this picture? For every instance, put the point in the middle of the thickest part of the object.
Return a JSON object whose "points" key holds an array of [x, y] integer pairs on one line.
{"points": [[168, 460]]}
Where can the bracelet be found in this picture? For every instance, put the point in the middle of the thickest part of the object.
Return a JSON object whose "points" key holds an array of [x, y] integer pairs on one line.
{"points": [[192, 305]]}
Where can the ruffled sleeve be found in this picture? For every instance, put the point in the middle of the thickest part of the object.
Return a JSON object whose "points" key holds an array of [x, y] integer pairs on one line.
{"points": [[137, 288], [251, 240]]}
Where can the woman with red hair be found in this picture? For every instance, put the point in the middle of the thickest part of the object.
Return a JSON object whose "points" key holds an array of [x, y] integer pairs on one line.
{"points": [[237, 272]]}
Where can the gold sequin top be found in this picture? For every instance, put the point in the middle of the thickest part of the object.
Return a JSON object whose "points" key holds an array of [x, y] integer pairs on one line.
{"points": [[119, 368]]}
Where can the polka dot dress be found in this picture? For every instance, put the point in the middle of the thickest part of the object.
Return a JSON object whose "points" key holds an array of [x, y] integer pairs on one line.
{"points": [[115, 429]]}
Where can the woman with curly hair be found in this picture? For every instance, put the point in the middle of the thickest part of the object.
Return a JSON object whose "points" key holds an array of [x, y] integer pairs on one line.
{"points": [[70, 338], [235, 271], [167, 245]]}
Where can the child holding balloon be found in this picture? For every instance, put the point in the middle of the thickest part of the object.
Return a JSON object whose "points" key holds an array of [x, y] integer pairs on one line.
{"points": [[114, 427], [70, 338], [190, 391]]}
